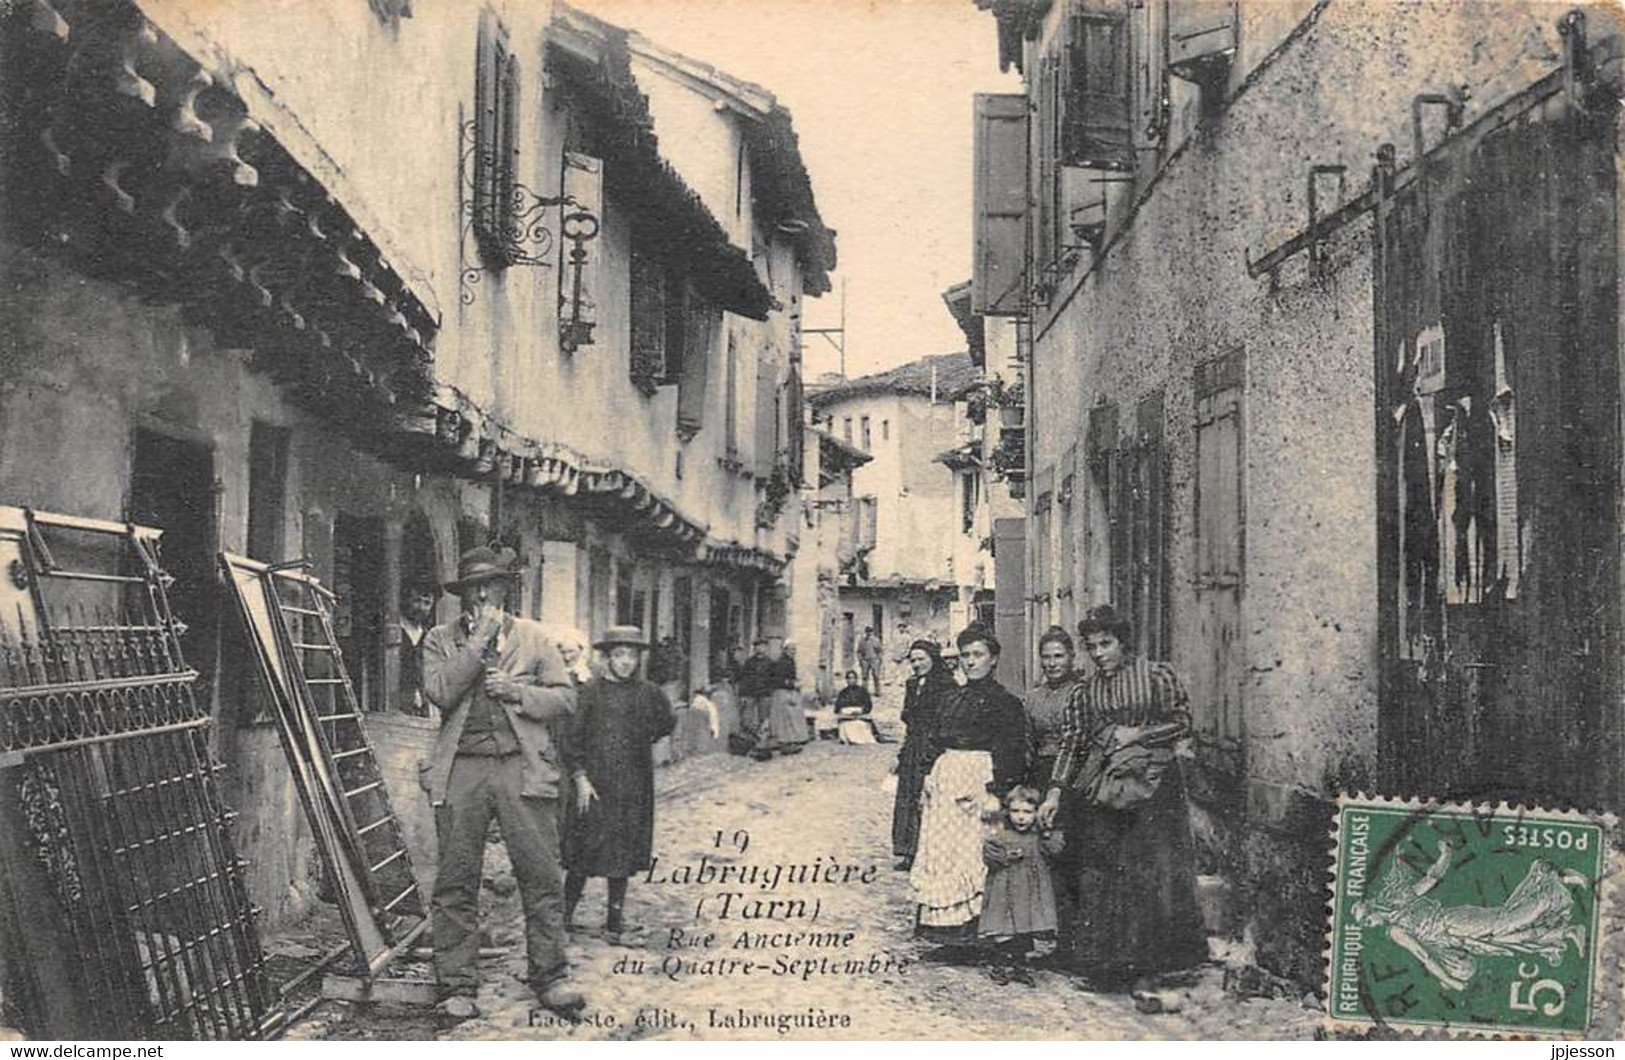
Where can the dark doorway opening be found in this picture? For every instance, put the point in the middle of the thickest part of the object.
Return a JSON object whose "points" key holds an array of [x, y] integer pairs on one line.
{"points": [[358, 616], [172, 488]]}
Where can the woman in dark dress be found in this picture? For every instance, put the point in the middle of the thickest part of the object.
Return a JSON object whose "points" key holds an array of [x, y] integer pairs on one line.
{"points": [[609, 829], [1135, 863], [921, 699], [977, 751]]}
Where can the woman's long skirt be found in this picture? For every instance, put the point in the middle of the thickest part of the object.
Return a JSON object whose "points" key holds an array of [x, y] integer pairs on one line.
{"points": [[949, 876], [1136, 911], [905, 814], [786, 724]]}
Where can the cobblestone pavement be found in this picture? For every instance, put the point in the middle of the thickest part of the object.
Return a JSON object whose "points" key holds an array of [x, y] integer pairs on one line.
{"points": [[826, 803]]}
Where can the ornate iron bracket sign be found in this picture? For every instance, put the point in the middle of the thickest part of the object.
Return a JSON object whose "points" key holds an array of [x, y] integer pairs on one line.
{"points": [[580, 228], [509, 230]]}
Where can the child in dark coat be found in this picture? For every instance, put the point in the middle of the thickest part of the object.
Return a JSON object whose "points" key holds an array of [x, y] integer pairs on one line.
{"points": [[1019, 900]]}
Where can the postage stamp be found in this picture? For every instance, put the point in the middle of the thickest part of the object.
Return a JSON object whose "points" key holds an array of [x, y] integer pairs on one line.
{"points": [[1474, 919]]}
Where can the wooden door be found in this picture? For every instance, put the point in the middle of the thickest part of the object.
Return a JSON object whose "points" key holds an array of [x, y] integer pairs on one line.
{"points": [[1498, 449]]}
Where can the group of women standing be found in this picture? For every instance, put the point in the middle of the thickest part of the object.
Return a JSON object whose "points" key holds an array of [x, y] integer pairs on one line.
{"points": [[1103, 747]]}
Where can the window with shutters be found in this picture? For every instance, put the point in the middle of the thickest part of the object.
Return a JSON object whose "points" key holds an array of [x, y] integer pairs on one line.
{"points": [[496, 142], [1096, 129], [867, 522], [868, 441], [650, 318], [969, 489], [1130, 476]]}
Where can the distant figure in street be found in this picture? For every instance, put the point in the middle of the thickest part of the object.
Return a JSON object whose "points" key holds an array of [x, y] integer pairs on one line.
{"points": [[852, 709], [1020, 902], [927, 687], [870, 658], [950, 662], [504, 700], [417, 618], [978, 752], [668, 668], [784, 729], [576, 650], [757, 679], [610, 829]]}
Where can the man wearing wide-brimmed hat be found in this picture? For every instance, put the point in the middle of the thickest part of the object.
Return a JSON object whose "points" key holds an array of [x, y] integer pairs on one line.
{"points": [[612, 736], [505, 701]]}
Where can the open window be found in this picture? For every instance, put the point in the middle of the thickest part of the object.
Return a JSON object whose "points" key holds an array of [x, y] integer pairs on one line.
{"points": [[1096, 128]]}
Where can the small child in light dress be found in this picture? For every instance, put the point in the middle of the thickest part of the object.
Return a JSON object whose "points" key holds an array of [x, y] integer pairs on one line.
{"points": [[1019, 899]]}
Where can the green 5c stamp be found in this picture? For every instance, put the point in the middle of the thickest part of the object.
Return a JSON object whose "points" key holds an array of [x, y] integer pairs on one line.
{"points": [[1475, 919]]}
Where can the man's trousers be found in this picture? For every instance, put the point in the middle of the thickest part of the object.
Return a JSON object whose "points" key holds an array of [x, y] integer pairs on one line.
{"points": [[478, 788]]}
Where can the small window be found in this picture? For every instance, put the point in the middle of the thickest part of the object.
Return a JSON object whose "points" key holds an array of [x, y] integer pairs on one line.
{"points": [[885, 430], [846, 430], [867, 441]]}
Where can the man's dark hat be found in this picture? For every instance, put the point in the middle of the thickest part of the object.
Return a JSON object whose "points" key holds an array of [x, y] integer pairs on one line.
{"points": [[484, 564]]}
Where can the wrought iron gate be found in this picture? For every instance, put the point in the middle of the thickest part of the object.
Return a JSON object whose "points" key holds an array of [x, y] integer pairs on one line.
{"points": [[108, 773]]}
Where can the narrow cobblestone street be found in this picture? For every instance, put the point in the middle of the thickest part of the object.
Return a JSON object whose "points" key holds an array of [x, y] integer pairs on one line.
{"points": [[828, 803]]}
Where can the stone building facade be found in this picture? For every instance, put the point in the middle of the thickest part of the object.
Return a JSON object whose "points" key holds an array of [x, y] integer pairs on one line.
{"points": [[900, 572]]}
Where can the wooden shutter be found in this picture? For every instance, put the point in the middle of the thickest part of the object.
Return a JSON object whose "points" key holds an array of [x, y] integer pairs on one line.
{"points": [[485, 130], [767, 420], [1149, 518], [681, 303], [1009, 598], [731, 407], [1096, 128], [869, 522], [693, 387], [796, 436], [1201, 36], [496, 139], [648, 298], [1218, 473], [508, 155], [1000, 191], [584, 182]]}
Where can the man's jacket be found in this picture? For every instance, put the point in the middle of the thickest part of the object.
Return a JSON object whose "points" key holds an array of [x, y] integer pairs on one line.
{"points": [[453, 672], [758, 677]]}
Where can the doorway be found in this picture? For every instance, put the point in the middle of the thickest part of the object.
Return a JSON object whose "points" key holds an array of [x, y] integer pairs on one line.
{"points": [[358, 615], [172, 488]]}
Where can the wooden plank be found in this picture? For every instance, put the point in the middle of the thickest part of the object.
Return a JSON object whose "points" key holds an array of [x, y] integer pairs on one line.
{"points": [[423, 992]]}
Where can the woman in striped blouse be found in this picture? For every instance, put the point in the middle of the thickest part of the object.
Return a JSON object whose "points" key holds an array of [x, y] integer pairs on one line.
{"points": [[1134, 856]]}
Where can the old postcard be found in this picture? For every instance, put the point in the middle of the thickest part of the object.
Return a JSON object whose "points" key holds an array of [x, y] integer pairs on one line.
{"points": [[810, 519]]}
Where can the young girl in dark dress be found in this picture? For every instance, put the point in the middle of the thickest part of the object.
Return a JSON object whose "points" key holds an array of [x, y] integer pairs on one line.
{"points": [[610, 828], [1019, 902]]}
